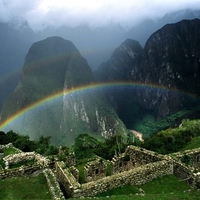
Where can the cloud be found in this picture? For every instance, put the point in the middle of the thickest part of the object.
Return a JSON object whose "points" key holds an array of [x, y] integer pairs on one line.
{"points": [[93, 13]]}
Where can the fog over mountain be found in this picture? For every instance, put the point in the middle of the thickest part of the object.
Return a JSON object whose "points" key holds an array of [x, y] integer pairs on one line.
{"points": [[95, 28]]}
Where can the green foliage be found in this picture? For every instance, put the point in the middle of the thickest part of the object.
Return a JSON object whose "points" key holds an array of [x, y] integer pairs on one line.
{"points": [[146, 122], [24, 143], [167, 187], [172, 140], [193, 144], [80, 167], [63, 152], [23, 163], [9, 151], [84, 146], [111, 146], [51, 150], [2, 137], [186, 159], [2, 164]]}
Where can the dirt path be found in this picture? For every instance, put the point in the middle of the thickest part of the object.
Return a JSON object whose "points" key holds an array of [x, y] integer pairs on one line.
{"points": [[138, 135]]}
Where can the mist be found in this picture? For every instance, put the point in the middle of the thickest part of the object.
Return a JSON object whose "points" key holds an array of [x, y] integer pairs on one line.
{"points": [[96, 28], [57, 13]]}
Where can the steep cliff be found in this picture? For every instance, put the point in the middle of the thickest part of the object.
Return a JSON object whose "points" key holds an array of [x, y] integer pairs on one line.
{"points": [[167, 67], [52, 66]]}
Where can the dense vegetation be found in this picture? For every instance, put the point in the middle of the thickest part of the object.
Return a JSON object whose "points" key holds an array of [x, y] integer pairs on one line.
{"points": [[86, 147], [166, 141], [24, 143], [172, 140], [137, 118]]}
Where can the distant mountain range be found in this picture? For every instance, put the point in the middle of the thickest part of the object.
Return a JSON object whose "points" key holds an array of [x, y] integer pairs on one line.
{"points": [[166, 71], [157, 76], [95, 45]]}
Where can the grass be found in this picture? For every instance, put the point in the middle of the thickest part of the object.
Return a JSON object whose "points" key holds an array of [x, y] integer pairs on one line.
{"points": [[24, 188], [194, 143], [27, 162], [167, 187], [9, 151], [80, 167]]}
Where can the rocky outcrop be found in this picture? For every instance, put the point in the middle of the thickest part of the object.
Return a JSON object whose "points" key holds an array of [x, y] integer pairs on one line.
{"points": [[167, 67], [52, 96]]}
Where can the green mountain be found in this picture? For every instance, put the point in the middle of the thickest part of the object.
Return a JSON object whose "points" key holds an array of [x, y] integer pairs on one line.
{"points": [[164, 76], [53, 74]]}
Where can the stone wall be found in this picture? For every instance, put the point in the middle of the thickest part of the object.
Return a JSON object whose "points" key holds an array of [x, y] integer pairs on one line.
{"points": [[18, 172], [136, 176], [132, 158], [17, 158], [20, 157], [53, 185], [194, 157], [75, 172], [121, 163], [9, 145], [66, 179], [140, 156], [184, 173], [1, 155], [95, 170]]}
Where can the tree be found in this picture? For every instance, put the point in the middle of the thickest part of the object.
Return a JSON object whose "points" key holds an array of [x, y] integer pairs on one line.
{"points": [[11, 136], [84, 146], [2, 137]]}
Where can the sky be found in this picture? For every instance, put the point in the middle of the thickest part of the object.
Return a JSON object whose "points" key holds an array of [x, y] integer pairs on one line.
{"points": [[93, 13]]}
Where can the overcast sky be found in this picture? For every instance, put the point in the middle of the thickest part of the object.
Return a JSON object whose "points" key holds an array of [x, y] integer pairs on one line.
{"points": [[94, 13]]}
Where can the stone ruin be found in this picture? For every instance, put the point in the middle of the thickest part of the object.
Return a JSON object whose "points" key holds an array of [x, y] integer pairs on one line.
{"points": [[70, 159], [27, 156], [95, 170], [75, 172], [121, 163], [192, 156], [132, 158]]}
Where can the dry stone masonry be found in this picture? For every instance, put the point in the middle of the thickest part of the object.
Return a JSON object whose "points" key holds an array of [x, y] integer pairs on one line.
{"points": [[20, 157], [95, 170], [134, 167], [9, 145]]}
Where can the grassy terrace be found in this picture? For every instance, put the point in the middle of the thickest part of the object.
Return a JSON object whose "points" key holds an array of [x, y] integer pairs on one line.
{"points": [[165, 188], [24, 188], [9, 151]]}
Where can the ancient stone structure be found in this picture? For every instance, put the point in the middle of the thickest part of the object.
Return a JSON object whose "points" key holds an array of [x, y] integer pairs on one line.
{"points": [[75, 172], [136, 176], [20, 157], [18, 172], [95, 170], [132, 158], [9, 145], [70, 159], [134, 167], [1, 155], [121, 163], [66, 179], [191, 157], [53, 185]]}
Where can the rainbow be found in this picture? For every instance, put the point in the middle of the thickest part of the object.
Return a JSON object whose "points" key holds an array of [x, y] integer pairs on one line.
{"points": [[83, 88]]}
